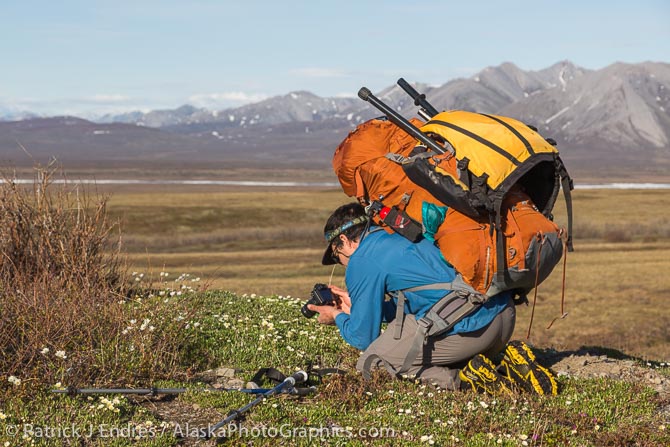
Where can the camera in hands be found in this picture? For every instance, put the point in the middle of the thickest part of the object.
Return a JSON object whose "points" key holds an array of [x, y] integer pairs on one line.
{"points": [[320, 296]]}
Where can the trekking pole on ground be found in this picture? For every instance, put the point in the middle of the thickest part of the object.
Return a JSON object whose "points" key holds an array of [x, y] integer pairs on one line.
{"points": [[366, 95], [156, 391], [427, 111], [288, 383]]}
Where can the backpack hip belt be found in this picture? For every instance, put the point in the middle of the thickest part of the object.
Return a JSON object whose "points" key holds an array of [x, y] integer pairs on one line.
{"points": [[461, 301]]}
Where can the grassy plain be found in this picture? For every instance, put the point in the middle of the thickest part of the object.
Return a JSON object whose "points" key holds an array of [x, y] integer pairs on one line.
{"points": [[265, 245], [248, 332], [269, 241]]}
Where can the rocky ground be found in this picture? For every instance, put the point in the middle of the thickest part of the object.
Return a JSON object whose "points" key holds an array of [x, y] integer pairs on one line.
{"points": [[593, 363], [586, 363], [583, 363]]}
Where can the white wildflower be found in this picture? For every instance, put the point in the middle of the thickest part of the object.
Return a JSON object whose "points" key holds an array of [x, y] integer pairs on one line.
{"points": [[61, 354], [14, 380], [428, 439], [45, 351]]}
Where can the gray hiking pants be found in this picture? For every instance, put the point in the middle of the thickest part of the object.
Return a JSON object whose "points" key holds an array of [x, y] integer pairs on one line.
{"points": [[442, 357]]}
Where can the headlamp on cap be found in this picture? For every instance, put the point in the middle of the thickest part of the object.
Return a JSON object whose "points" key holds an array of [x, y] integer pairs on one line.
{"points": [[333, 234]]}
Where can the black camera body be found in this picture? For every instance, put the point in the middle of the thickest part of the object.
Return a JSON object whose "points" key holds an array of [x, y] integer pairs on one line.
{"points": [[320, 296]]}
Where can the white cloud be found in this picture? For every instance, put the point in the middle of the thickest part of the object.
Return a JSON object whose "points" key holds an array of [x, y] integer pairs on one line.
{"points": [[227, 99], [105, 98], [319, 72]]}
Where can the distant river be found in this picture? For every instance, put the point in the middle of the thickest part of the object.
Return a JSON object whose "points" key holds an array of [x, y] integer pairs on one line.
{"points": [[308, 184], [189, 182]]}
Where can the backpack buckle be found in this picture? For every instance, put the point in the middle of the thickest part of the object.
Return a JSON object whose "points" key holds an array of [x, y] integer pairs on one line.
{"points": [[424, 327]]}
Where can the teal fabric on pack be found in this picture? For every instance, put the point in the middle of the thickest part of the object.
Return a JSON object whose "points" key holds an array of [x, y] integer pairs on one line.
{"points": [[432, 217]]}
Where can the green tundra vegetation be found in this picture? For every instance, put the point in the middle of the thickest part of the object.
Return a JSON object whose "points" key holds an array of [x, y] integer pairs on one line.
{"points": [[208, 277]]}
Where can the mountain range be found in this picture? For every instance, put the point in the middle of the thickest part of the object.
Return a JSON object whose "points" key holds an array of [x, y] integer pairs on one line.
{"points": [[609, 122]]}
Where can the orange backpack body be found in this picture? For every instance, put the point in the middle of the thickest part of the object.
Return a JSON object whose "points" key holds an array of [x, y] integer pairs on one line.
{"points": [[366, 171]]}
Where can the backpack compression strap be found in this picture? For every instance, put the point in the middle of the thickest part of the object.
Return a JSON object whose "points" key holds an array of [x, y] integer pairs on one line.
{"points": [[567, 185]]}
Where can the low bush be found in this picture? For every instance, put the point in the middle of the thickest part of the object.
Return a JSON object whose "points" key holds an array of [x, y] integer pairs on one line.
{"points": [[69, 309]]}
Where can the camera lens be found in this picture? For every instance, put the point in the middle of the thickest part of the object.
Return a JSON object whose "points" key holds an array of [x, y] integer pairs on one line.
{"points": [[306, 312]]}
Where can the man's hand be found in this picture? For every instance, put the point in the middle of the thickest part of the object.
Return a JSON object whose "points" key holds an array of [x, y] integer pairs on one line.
{"points": [[342, 298], [327, 314]]}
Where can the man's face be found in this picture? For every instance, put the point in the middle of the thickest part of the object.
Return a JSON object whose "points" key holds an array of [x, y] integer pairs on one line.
{"points": [[343, 252]]}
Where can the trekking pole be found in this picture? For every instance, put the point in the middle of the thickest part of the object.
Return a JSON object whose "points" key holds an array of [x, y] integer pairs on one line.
{"points": [[157, 391], [366, 95], [289, 382], [427, 111]]}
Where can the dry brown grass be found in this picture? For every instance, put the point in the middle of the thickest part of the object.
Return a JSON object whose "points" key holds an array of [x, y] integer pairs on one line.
{"points": [[269, 242], [64, 291]]}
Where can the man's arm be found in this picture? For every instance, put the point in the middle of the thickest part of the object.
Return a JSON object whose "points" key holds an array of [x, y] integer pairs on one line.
{"points": [[366, 285]]}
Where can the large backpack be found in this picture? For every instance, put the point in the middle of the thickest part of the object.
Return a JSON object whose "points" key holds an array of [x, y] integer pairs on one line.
{"points": [[506, 174], [481, 233]]}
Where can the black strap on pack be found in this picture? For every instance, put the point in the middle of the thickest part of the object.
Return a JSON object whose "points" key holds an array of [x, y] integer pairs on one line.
{"points": [[500, 242], [567, 185]]}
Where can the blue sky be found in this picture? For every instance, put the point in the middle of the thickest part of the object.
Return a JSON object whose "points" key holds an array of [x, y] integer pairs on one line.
{"points": [[89, 57]]}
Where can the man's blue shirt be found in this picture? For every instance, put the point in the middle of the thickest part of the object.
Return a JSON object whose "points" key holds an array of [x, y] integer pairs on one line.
{"points": [[385, 263]]}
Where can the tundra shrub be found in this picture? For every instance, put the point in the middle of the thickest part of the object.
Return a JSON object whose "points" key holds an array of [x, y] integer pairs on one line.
{"points": [[64, 304]]}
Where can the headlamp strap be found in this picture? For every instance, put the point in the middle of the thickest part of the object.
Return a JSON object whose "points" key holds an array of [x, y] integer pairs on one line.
{"points": [[331, 235]]}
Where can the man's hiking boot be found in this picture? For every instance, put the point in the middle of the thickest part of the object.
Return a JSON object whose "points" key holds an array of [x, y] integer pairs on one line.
{"points": [[480, 375], [520, 366]]}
